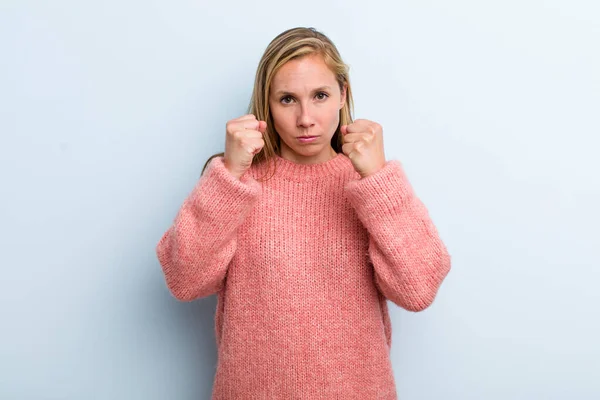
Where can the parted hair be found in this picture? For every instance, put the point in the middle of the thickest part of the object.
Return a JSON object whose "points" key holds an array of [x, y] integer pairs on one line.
{"points": [[292, 44]]}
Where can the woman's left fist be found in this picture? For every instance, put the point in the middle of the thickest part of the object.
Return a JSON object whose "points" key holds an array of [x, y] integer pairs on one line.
{"points": [[363, 144]]}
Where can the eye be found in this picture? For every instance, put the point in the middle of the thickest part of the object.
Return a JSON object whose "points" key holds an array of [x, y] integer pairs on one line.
{"points": [[324, 94], [320, 96]]}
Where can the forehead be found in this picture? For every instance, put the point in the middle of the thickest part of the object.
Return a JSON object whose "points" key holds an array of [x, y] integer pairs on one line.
{"points": [[298, 73]]}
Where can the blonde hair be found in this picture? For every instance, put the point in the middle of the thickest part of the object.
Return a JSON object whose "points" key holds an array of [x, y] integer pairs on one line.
{"points": [[292, 44]]}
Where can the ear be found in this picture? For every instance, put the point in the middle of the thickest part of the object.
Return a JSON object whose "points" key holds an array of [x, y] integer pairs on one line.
{"points": [[343, 96]]}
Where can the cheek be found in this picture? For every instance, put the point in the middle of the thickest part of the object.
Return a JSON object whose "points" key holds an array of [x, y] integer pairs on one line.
{"points": [[283, 120], [331, 116]]}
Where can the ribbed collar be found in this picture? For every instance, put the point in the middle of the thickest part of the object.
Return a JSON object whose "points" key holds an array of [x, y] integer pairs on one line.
{"points": [[303, 172]]}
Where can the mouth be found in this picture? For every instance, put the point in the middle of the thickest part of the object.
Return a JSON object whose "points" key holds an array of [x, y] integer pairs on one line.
{"points": [[306, 139]]}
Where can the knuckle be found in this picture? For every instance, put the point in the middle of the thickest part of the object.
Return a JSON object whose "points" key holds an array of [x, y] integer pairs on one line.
{"points": [[238, 135], [231, 126]]}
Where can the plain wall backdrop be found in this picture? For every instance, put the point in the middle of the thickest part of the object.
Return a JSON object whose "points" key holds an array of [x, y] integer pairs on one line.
{"points": [[108, 111]]}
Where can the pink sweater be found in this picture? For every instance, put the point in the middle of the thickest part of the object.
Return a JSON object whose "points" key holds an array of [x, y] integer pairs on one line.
{"points": [[302, 265]]}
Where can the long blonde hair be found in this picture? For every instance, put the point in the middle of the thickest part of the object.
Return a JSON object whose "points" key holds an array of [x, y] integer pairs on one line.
{"points": [[288, 45]]}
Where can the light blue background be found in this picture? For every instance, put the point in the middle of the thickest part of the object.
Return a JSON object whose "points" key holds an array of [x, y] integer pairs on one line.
{"points": [[108, 111]]}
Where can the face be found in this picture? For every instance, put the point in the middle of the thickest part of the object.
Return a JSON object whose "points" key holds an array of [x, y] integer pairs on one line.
{"points": [[305, 100]]}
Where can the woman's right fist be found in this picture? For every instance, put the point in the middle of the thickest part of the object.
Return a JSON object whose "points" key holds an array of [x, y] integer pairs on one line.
{"points": [[243, 139]]}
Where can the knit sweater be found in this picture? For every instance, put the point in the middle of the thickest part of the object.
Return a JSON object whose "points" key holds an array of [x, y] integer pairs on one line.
{"points": [[303, 265]]}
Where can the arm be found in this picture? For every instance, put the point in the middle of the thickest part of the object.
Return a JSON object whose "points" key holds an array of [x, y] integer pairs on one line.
{"points": [[195, 251], [409, 259]]}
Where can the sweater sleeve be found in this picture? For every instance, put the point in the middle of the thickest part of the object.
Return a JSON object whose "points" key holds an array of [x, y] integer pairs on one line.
{"points": [[409, 259], [195, 251]]}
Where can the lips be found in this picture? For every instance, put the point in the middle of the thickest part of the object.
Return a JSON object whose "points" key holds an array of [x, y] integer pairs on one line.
{"points": [[307, 139]]}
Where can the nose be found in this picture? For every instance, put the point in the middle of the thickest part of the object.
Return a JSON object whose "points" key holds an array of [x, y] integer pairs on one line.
{"points": [[305, 119]]}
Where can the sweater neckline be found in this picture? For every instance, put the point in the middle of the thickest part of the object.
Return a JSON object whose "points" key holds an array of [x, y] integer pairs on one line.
{"points": [[302, 172]]}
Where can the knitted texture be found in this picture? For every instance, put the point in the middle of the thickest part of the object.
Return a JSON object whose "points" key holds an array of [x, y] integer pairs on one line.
{"points": [[303, 265]]}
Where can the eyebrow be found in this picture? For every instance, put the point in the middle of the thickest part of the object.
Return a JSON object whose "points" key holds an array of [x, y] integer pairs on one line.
{"points": [[285, 92]]}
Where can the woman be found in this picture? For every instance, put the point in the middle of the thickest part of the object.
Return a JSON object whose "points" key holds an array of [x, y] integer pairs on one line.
{"points": [[303, 230]]}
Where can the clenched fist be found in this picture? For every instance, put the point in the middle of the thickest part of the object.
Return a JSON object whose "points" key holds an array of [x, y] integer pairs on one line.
{"points": [[243, 140], [363, 144]]}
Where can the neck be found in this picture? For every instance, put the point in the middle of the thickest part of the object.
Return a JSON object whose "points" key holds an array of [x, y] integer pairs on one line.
{"points": [[324, 156]]}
